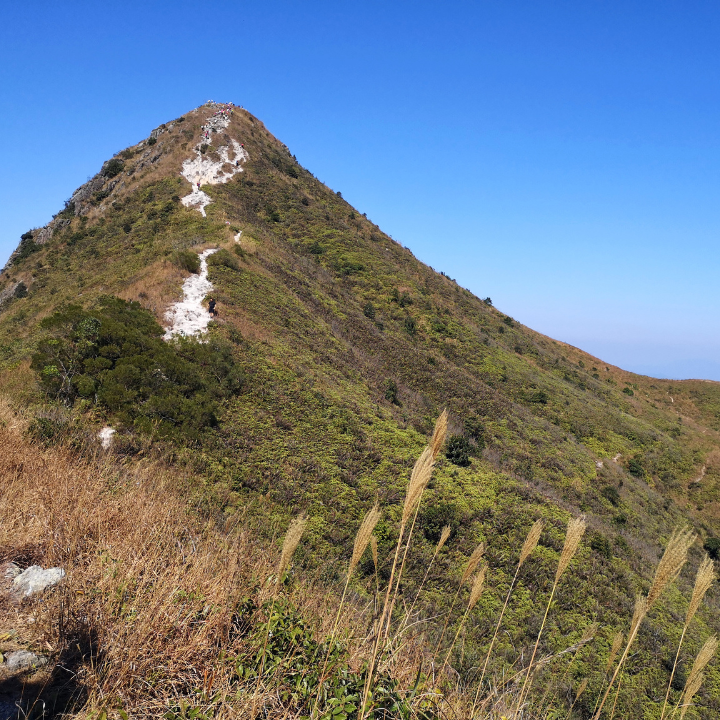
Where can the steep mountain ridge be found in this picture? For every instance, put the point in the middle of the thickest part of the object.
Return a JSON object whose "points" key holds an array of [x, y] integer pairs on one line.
{"points": [[349, 348]]}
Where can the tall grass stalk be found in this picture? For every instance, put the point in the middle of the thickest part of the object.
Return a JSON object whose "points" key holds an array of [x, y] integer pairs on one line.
{"points": [[668, 569], [703, 580], [573, 536], [475, 592], [418, 482], [444, 535], [470, 568], [695, 678], [362, 540], [292, 540], [531, 541]]}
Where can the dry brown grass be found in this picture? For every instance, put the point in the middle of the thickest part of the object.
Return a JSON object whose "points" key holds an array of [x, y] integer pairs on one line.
{"points": [[151, 585]]}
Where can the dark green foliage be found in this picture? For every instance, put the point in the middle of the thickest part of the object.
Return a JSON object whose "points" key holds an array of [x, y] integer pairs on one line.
{"points": [[286, 653], [508, 321], [458, 450], [628, 391], [391, 392], [316, 248], [636, 467], [409, 325], [435, 517], [610, 492], [116, 357], [223, 258], [369, 310], [476, 432], [345, 266], [712, 547], [601, 545], [68, 211], [151, 140], [186, 260], [100, 196], [488, 301], [113, 167], [48, 430], [540, 397], [21, 290], [26, 248]]}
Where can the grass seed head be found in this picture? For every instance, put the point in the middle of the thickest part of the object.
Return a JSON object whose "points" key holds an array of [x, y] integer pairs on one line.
{"points": [[614, 650], [703, 658], [473, 562], [690, 692], [292, 540], [439, 433], [363, 536], [477, 587], [641, 608], [671, 563], [418, 482], [575, 531], [531, 541], [703, 580], [581, 689], [444, 535]]}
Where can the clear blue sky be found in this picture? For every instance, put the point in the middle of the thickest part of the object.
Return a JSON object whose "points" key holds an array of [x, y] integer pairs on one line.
{"points": [[561, 157]]}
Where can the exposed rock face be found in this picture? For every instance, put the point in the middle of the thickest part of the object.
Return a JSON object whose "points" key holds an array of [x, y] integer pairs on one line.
{"points": [[35, 580]]}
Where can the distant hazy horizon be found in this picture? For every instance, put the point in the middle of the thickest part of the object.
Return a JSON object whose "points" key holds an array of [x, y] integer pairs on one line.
{"points": [[562, 158]]}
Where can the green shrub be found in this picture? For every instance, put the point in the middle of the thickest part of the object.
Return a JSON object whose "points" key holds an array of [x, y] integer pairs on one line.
{"points": [[113, 167], [488, 301], [712, 547], [48, 430], [628, 391], [316, 248], [369, 310], [186, 260], [437, 516], [636, 467], [601, 545], [410, 326], [391, 392], [223, 258], [458, 450], [151, 140], [21, 290], [539, 397], [508, 321], [116, 358], [609, 492]]}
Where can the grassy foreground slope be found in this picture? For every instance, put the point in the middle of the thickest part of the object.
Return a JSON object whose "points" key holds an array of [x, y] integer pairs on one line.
{"points": [[349, 347]]}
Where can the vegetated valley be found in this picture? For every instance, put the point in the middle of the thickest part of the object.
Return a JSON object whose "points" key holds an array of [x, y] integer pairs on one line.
{"points": [[363, 493]]}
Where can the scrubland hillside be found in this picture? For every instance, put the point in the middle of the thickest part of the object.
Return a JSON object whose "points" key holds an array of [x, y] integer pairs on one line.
{"points": [[318, 385]]}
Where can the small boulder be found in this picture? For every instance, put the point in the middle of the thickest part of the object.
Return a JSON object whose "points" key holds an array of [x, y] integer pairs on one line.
{"points": [[35, 580], [22, 660]]}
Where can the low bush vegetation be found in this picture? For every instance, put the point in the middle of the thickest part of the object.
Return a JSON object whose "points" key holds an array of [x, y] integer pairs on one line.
{"points": [[114, 357]]}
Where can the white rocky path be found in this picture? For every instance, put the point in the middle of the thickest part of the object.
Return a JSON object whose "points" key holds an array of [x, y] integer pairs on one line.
{"points": [[203, 170], [189, 317]]}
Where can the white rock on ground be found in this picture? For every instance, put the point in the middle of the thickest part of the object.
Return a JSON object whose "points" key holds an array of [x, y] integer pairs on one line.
{"points": [[190, 317], [23, 660], [206, 171], [106, 435], [35, 580]]}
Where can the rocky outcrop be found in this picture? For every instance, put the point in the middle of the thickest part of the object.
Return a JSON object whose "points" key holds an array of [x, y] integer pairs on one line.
{"points": [[35, 579]]}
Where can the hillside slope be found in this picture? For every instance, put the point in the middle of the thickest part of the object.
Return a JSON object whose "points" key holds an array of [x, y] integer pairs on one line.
{"points": [[344, 349]]}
